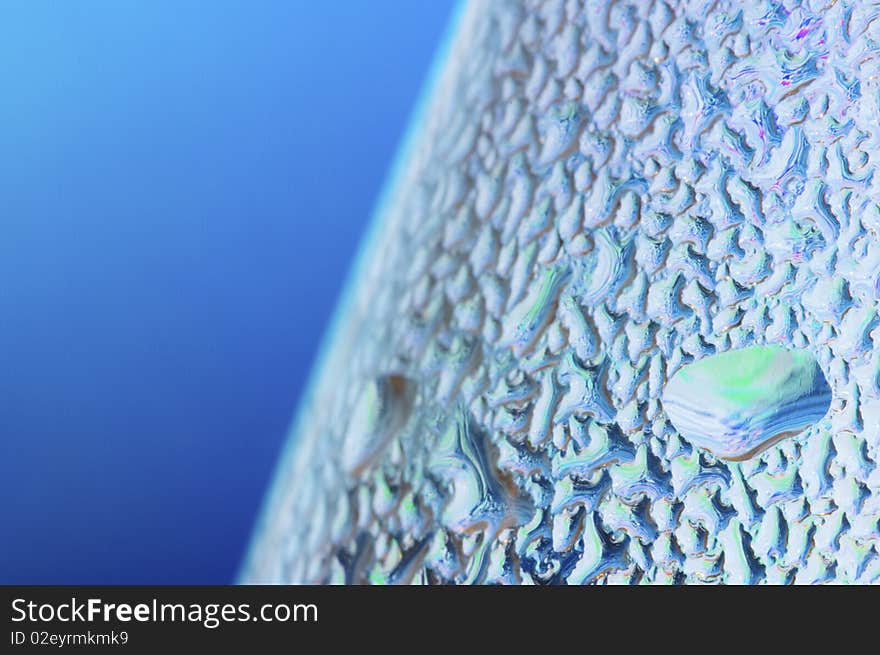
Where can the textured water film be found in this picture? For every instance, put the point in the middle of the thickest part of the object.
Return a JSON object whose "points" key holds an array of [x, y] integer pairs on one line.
{"points": [[617, 320]]}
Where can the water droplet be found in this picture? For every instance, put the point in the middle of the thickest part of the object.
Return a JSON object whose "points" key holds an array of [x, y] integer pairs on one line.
{"points": [[738, 403], [381, 410]]}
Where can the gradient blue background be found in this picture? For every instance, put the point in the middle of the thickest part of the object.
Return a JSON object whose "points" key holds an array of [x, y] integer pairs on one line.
{"points": [[182, 188]]}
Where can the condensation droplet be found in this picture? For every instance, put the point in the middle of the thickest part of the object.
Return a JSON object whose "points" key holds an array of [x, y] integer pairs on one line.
{"points": [[381, 410], [738, 403]]}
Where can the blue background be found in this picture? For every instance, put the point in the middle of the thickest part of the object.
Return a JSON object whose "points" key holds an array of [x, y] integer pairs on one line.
{"points": [[182, 188]]}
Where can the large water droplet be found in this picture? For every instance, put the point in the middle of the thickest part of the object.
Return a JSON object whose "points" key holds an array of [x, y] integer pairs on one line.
{"points": [[738, 403], [381, 410]]}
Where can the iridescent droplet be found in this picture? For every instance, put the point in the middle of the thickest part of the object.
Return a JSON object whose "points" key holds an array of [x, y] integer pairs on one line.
{"points": [[738, 403], [382, 408]]}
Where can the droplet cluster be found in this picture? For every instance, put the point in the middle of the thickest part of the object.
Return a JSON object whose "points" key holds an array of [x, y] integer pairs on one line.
{"points": [[599, 195]]}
